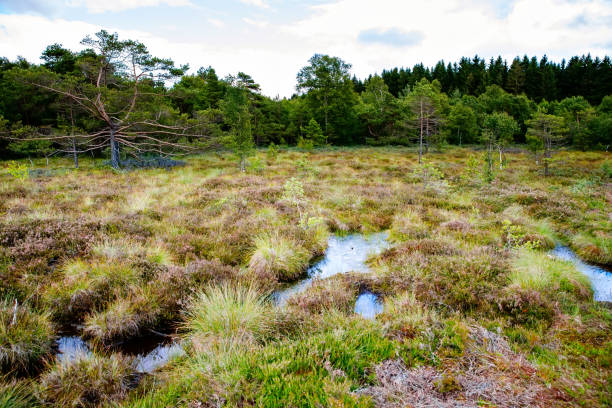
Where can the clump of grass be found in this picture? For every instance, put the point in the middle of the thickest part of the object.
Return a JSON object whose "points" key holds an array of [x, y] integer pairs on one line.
{"points": [[88, 380], [278, 257], [124, 318], [326, 294], [26, 337], [15, 394], [233, 314], [596, 249], [408, 225], [533, 270], [405, 317], [86, 286]]}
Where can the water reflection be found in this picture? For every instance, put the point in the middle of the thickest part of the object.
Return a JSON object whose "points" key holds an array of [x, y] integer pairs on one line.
{"points": [[601, 279], [344, 254], [368, 305]]}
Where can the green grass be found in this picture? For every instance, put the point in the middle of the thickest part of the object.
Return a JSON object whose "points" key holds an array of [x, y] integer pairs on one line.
{"points": [[26, 337], [231, 315], [540, 272], [278, 257], [89, 380], [15, 394]]}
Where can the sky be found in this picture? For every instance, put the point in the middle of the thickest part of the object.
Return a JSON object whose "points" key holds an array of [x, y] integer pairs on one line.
{"points": [[272, 39]]}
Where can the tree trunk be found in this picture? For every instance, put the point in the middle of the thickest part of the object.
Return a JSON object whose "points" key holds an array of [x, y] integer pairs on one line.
{"points": [[243, 164], [546, 158], [427, 136], [501, 165], [421, 134], [114, 146], [74, 154]]}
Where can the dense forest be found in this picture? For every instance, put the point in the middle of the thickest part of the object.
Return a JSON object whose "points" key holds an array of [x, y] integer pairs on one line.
{"points": [[75, 94]]}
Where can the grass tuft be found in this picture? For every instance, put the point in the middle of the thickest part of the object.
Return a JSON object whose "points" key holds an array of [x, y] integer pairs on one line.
{"points": [[278, 256], [88, 380], [26, 337], [232, 314]]}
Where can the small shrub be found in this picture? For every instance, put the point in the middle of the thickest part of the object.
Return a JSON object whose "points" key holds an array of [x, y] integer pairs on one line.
{"points": [[17, 170], [324, 295], [305, 144], [405, 317], [88, 380], [26, 337], [272, 152], [256, 164], [151, 162]]}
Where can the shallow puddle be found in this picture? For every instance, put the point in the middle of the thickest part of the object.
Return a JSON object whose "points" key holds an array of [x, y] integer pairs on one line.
{"points": [[601, 279], [344, 254], [70, 347], [368, 305]]}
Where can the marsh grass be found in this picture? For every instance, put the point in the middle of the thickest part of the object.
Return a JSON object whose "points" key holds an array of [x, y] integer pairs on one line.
{"points": [[85, 286], [17, 394], [26, 337], [537, 271], [230, 314], [115, 254], [88, 380], [279, 257], [597, 249]]}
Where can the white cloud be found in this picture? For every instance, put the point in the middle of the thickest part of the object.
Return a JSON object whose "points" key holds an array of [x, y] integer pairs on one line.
{"points": [[102, 6], [273, 54], [256, 23], [452, 29], [216, 23], [256, 3]]}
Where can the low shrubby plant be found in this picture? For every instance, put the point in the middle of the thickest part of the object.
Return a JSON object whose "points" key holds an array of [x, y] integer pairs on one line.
{"points": [[17, 170], [326, 294], [405, 316], [26, 337]]}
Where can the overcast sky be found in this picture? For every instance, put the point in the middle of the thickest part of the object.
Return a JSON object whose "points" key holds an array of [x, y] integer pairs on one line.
{"points": [[272, 39]]}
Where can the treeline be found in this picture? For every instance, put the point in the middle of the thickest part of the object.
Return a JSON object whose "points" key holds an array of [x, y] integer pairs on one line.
{"points": [[538, 80], [115, 93]]}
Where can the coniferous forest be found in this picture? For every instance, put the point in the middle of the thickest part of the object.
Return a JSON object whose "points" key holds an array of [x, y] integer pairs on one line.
{"points": [[42, 99]]}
